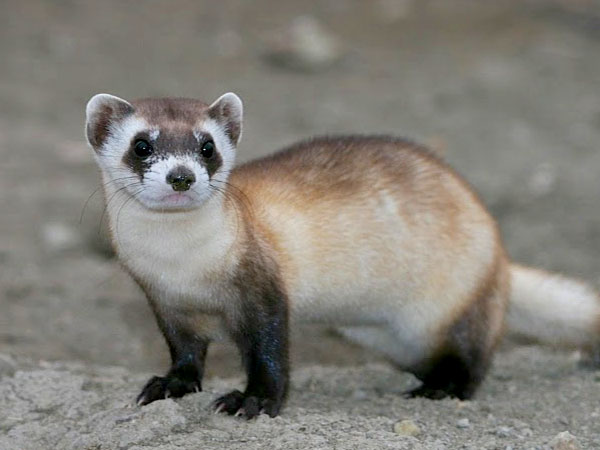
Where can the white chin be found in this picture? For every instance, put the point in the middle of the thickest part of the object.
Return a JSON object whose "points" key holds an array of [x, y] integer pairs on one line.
{"points": [[174, 201]]}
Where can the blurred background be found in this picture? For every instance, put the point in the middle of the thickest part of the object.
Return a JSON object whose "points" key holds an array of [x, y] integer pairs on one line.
{"points": [[508, 91]]}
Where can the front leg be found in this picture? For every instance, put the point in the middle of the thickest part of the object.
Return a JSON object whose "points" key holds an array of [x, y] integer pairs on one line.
{"points": [[187, 346], [261, 333]]}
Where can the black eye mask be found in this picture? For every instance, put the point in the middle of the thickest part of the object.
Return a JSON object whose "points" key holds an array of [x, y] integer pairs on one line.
{"points": [[144, 151]]}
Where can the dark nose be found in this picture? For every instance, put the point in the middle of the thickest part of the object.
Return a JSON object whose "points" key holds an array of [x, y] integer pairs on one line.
{"points": [[181, 178]]}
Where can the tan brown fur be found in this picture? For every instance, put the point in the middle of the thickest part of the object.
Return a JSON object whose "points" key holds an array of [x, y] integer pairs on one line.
{"points": [[372, 234], [170, 111], [311, 181]]}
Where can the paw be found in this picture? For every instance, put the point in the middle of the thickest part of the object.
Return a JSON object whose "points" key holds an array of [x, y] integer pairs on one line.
{"points": [[159, 388], [244, 405]]}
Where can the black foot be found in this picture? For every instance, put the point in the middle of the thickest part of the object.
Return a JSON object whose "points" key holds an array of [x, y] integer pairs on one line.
{"points": [[159, 388], [427, 392], [450, 375], [247, 406]]}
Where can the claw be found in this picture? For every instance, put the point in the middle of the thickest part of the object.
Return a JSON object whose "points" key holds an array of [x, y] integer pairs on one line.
{"points": [[196, 388], [140, 401], [219, 408], [167, 394], [240, 412]]}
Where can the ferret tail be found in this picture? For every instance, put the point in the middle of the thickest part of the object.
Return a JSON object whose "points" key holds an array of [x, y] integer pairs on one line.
{"points": [[551, 309]]}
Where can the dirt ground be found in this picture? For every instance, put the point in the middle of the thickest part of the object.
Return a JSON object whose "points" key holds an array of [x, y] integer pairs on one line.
{"points": [[509, 91]]}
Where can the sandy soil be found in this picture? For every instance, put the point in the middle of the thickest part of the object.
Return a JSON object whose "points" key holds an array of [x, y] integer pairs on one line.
{"points": [[509, 91], [530, 397]]}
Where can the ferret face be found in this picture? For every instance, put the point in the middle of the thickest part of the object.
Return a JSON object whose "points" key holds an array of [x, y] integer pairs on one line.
{"points": [[168, 154]]}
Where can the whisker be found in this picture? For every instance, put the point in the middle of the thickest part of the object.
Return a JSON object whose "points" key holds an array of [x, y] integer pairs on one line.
{"points": [[133, 196], [237, 194], [96, 191], [110, 200]]}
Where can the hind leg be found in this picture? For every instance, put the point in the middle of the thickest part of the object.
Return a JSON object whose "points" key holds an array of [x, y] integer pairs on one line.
{"points": [[450, 375], [447, 374], [466, 348], [463, 349], [455, 372]]}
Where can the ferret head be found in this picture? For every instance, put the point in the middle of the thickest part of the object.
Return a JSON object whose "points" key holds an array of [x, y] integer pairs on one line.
{"points": [[167, 153]]}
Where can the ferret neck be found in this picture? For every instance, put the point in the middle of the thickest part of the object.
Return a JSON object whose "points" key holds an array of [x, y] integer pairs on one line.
{"points": [[131, 222]]}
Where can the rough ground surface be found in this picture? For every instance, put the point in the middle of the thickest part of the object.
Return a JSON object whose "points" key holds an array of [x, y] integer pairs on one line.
{"points": [[509, 91], [530, 397]]}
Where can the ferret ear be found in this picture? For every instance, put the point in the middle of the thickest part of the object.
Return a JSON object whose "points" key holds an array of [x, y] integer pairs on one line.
{"points": [[101, 111], [228, 111]]}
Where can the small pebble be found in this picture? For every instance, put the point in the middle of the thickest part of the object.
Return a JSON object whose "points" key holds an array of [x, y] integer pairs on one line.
{"points": [[564, 441], [463, 423], [407, 428]]}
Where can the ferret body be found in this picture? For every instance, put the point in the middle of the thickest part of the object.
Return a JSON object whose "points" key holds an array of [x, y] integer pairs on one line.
{"points": [[373, 235]]}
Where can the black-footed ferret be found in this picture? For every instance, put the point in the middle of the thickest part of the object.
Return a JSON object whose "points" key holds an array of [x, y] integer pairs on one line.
{"points": [[374, 235]]}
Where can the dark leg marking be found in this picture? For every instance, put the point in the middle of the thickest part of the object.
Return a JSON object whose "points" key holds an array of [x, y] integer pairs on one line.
{"points": [[464, 358], [188, 353], [263, 346], [450, 376], [261, 334]]}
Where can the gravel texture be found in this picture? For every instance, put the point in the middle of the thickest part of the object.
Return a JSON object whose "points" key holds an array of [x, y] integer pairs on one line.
{"points": [[532, 399]]}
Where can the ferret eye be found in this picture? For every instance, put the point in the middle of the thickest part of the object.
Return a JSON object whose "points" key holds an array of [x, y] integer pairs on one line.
{"points": [[208, 149], [142, 148]]}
